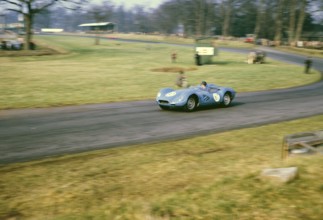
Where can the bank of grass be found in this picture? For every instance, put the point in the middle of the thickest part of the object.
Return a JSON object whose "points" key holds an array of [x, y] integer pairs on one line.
{"points": [[235, 43], [119, 71], [178, 40], [209, 177]]}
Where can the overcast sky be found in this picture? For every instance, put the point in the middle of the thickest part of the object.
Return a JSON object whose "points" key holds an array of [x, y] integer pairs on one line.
{"points": [[147, 3]]}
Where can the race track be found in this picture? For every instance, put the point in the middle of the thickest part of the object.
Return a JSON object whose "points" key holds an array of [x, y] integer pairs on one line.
{"points": [[37, 133]]}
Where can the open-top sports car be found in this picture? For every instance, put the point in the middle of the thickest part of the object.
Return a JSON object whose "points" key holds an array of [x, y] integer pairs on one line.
{"points": [[195, 96]]}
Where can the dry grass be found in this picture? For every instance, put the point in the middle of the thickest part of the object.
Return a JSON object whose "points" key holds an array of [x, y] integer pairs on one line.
{"points": [[106, 73], [173, 69], [208, 177]]}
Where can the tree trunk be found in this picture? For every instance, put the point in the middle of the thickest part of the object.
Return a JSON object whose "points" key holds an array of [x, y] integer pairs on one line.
{"points": [[299, 29], [227, 17], [291, 32], [198, 18], [279, 23], [28, 18], [28, 21], [260, 17], [97, 36]]}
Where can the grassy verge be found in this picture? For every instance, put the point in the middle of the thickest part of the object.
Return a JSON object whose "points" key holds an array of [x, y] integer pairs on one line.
{"points": [[118, 71], [219, 42], [208, 177], [178, 40], [303, 51]]}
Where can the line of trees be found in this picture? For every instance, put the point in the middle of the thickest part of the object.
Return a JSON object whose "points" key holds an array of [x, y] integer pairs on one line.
{"points": [[270, 19]]}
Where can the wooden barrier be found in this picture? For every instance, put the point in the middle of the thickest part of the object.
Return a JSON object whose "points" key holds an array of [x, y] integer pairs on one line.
{"points": [[302, 143]]}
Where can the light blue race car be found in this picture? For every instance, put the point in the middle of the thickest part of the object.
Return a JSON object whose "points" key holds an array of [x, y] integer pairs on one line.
{"points": [[204, 95]]}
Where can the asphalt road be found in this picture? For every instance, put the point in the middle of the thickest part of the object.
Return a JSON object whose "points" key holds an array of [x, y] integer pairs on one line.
{"points": [[37, 133]]}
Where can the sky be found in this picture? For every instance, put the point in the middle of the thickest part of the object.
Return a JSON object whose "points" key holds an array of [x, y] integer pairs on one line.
{"points": [[130, 3]]}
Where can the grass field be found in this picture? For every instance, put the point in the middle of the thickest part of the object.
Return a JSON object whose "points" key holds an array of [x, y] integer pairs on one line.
{"points": [[208, 177], [118, 71]]}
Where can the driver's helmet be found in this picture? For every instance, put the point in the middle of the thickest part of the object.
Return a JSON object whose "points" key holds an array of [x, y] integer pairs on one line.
{"points": [[203, 83]]}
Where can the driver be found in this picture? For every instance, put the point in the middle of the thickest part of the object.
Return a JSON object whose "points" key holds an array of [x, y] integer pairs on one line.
{"points": [[203, 85]]}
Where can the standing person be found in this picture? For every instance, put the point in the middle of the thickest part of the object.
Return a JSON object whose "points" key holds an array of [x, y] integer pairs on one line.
{"points": [[181, 80], [308, 64], [174, 57], [197, 59]]}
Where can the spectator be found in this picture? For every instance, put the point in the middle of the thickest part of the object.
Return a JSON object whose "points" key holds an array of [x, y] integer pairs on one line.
{"points": [[308, 64], [174, 57], [181, 80], [198, 59]]}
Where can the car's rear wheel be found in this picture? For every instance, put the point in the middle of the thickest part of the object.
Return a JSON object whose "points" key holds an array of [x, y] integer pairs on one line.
{"points": [[226, 100], [191, 104]]}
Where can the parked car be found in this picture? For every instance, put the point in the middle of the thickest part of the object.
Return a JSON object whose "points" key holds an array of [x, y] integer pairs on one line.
{"points": [[11, 45]]}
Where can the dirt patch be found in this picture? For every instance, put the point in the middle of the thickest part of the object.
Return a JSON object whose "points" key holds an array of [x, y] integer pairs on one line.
{"points": [[173, 69]]}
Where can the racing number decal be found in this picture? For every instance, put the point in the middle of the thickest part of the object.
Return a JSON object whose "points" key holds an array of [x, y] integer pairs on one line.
{"points": [[216, 97], [206, 98]]}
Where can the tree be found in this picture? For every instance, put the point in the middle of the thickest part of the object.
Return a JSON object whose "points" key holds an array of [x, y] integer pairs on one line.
{"points": [[299, 28], [120, 15], [28, 9], [292, 20], [100, 13], [279, 22], [260, 16], [168, 16], [227, 10]]}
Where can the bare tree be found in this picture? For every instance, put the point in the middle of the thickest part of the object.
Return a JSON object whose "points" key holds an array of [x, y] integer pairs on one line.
{"points": [[292, 20], [29, 8], [300, 23], [227, 10], [100, 13], [260, 16], [279, 22]]}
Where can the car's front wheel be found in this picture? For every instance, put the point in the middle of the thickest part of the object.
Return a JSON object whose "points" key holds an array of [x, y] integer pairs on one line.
{"points": [[226, 100], [191, 104]]}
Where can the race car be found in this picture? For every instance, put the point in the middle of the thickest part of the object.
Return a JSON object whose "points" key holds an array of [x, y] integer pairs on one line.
{"points": [[204, 95]]}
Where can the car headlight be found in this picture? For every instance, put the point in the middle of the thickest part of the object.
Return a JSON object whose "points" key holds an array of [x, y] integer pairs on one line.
{"points": [[216, 97], [171, 94], [158, 95]]}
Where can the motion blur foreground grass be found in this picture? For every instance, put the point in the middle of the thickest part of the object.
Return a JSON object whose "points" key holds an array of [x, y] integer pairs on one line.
{"points": [[122, 71], [208, 177]]}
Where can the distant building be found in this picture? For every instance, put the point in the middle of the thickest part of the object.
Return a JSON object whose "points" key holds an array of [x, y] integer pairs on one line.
{"points": [[14, 27], [107, 27], [51, 30]]}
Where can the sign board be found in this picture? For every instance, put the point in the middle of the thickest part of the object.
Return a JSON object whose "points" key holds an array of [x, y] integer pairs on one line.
{"points": [[205, 51]]}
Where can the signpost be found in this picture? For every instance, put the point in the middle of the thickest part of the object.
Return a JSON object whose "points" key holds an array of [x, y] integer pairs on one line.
{"points": [[206, 49]]}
